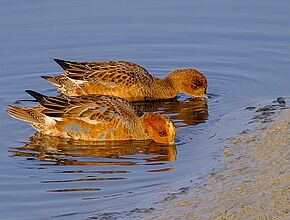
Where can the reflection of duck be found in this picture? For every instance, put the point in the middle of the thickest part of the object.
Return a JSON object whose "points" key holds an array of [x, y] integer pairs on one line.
{"points": [[126, 80], [186, 112], [94, 118], [74, 152]]}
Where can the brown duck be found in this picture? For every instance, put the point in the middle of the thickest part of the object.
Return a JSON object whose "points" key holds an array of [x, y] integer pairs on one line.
{"points": [[126, 80], [93, 118]]}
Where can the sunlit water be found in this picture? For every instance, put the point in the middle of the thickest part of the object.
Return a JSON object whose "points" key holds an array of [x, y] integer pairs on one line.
{"points": [[242, 47]]}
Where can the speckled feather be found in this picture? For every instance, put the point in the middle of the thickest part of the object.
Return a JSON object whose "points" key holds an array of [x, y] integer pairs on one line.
{"points": [[111, 73], [90, 107]]}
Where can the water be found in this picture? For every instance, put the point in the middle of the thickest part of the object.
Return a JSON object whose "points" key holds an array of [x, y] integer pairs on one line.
{"points": [[242, 47]]}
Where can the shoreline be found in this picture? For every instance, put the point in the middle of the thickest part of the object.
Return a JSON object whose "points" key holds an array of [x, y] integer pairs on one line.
{"points": [[253, 181]]}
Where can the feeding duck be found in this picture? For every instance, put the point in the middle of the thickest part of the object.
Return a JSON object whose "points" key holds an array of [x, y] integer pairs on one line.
{"points": [[93, 118], [126, 80]]}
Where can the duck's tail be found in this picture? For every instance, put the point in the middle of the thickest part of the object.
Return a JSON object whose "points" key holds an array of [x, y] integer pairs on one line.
{"points": [[63, 84], [63, 63], [55, 80], [38, 96], [31, 115]]}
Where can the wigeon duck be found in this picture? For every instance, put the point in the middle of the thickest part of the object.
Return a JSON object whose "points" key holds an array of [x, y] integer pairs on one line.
{"points": [[93, 118], [126, 80]]}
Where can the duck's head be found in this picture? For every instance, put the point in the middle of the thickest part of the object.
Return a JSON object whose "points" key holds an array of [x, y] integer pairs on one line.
{"points": [[189, 81], [159, 128]]}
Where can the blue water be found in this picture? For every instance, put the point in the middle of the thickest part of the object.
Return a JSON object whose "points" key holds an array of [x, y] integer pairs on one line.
{"points": [[242, 47]]}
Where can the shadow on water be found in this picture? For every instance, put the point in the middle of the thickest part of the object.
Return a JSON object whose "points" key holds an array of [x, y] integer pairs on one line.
{"points": [[103, 157], [74, 152], [186, 112]]}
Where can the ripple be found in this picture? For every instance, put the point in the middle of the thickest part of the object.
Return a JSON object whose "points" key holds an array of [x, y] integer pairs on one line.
{"points": [[84, 180], [74, 190]]}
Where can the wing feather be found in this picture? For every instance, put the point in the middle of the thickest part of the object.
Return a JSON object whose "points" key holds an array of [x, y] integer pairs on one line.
{"points": [[92, 108], [108, 73]]}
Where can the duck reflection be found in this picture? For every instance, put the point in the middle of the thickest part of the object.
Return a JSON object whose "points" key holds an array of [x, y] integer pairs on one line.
{"points": [[191, 111], [71, 152]]}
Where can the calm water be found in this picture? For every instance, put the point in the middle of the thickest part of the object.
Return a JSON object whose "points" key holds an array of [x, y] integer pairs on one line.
{"points": [[242, 47]]}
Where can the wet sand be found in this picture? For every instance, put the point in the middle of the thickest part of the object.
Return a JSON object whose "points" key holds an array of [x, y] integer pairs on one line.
{"points": [[253, 182]]}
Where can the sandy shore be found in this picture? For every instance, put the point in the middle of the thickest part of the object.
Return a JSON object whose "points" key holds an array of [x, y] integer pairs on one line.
{"points": [[253, 183]]}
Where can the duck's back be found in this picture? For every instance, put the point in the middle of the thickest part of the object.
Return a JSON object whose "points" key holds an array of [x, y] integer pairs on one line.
{"points": [[92, 117], [99, 118], [119, 78], [92, 109], [115, 72]]}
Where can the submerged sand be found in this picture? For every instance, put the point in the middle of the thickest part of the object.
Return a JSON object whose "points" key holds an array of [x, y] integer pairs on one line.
{"points": [[253, 183]]}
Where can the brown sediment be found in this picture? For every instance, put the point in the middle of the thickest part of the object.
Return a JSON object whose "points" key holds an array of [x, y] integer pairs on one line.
{"points": [[254, 182]]}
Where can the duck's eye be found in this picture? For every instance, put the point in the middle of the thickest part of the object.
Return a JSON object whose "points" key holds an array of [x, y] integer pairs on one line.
{"points": [[161, 133], [199, 83]]}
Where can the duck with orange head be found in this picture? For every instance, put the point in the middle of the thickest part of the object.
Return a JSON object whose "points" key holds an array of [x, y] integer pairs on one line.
{"points": [[94, 118]]}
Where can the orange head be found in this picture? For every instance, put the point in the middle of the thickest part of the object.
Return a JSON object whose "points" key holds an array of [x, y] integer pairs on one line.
{"points": [[159, 128], [189, 81]]}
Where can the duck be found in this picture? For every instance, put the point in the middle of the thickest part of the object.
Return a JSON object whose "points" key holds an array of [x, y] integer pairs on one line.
{"points": [[126, 80], [93, 118]]}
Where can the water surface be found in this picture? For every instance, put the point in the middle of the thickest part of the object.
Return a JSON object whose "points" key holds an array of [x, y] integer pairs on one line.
{"points": [[241, 47]]}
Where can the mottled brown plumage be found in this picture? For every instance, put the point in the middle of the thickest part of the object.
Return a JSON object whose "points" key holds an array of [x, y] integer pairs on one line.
{"points": [[94, 118], [126, 80]]}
